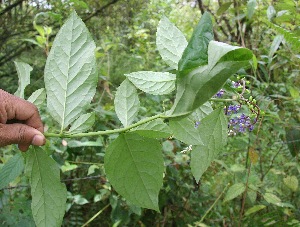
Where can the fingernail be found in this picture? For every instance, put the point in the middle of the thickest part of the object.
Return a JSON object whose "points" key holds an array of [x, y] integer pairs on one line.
{"points": [[38, 140]]}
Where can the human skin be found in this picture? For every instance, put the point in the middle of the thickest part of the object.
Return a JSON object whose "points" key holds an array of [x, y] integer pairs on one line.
{"points": [[20, 122]]}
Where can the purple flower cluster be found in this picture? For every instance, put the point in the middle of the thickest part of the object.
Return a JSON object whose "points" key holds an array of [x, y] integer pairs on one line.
{"points": [[220, 93], [236, 84], [232, 109], [240, 124]]}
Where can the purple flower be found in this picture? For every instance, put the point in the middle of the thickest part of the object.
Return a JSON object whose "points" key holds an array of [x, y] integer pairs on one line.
{"points": [[220, 93]]}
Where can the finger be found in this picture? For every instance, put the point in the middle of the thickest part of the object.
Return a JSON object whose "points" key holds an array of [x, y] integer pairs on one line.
{"points": [[20, 109], [20, 134]]}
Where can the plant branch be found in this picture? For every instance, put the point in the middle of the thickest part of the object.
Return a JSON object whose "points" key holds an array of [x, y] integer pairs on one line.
{"points": [[8, 8], [106, 132], [99, 10]]}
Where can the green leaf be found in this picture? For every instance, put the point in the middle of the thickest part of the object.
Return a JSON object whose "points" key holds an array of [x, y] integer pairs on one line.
{"points": [[271, 12], [202, 111], [251, 8], [213, 131], [234, 191], [170, 42], [11, 170], [23, 71], [83, 123], [127, 102], [154, 129], [271, 198], [134, 166], [70, 72], [155, 83], [68, 167], [38, 97], [291, 182], [254, 209], [49, 195], [274, 46], [185, 130], [293, 139], [201, 84], [195, 54], [76, 143], [223, 8]]}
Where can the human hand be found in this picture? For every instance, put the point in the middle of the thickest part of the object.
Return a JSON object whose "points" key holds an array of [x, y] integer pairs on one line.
{"points": [[28, 128]]}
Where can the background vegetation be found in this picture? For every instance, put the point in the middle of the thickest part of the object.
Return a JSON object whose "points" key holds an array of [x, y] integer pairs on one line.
{"points": [[266, 160]]}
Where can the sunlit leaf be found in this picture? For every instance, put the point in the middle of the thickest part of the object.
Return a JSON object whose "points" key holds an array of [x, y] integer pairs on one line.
{"points": [[38, 97], [23, 71], [254, 209], [155, 83], [170, 42], [70, 72], [134, 166], [291, 182], [127, 103], [83, 123]]}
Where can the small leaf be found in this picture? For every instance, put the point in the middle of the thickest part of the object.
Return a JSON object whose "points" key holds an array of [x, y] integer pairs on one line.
{"points": [[271, 198], [38, 97], [185, 130], [271, 12], [254, 209], [154, 129], [11, 170], [234, 191], [83, 123], [223, 8], [23, 71], [70, 72], [291, 182], [134, 166], [68, 167], [274, 46], [251, 8], [49, 195], [170, 42], [92, 169], [155, 83], [195, 54], [127, 103], [78, 199], [213, 131]]}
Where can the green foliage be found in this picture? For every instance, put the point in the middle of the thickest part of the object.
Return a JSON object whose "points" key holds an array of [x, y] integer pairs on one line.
{"points": [[134, 165], [70, 72], [49, 195], [11, 169]]}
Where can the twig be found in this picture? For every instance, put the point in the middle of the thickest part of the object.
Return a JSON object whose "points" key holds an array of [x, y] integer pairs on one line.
{"points": [[96, 215]]}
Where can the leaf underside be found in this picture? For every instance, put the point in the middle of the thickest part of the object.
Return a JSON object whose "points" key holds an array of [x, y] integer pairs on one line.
{"points": [[49, 195], [70, 72]]}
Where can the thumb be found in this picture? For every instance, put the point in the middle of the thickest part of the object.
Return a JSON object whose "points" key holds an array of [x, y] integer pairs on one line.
{"points": [[20, 134]]}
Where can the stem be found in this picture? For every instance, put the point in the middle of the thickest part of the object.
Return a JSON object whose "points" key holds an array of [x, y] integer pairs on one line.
{"points": [[212, 206], [104, 208], [107, 132]]}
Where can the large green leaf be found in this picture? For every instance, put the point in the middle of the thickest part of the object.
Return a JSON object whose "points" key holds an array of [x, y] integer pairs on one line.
{"points": [[201, 84], [23, 71], [170, 42], [155, 83], [70, 72], [49, 195], [195, 54], [83, 123], [127, 102], [202, 111], [213, 131], [154, 129], [11, 170], [38, 97], [134, 166]]}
